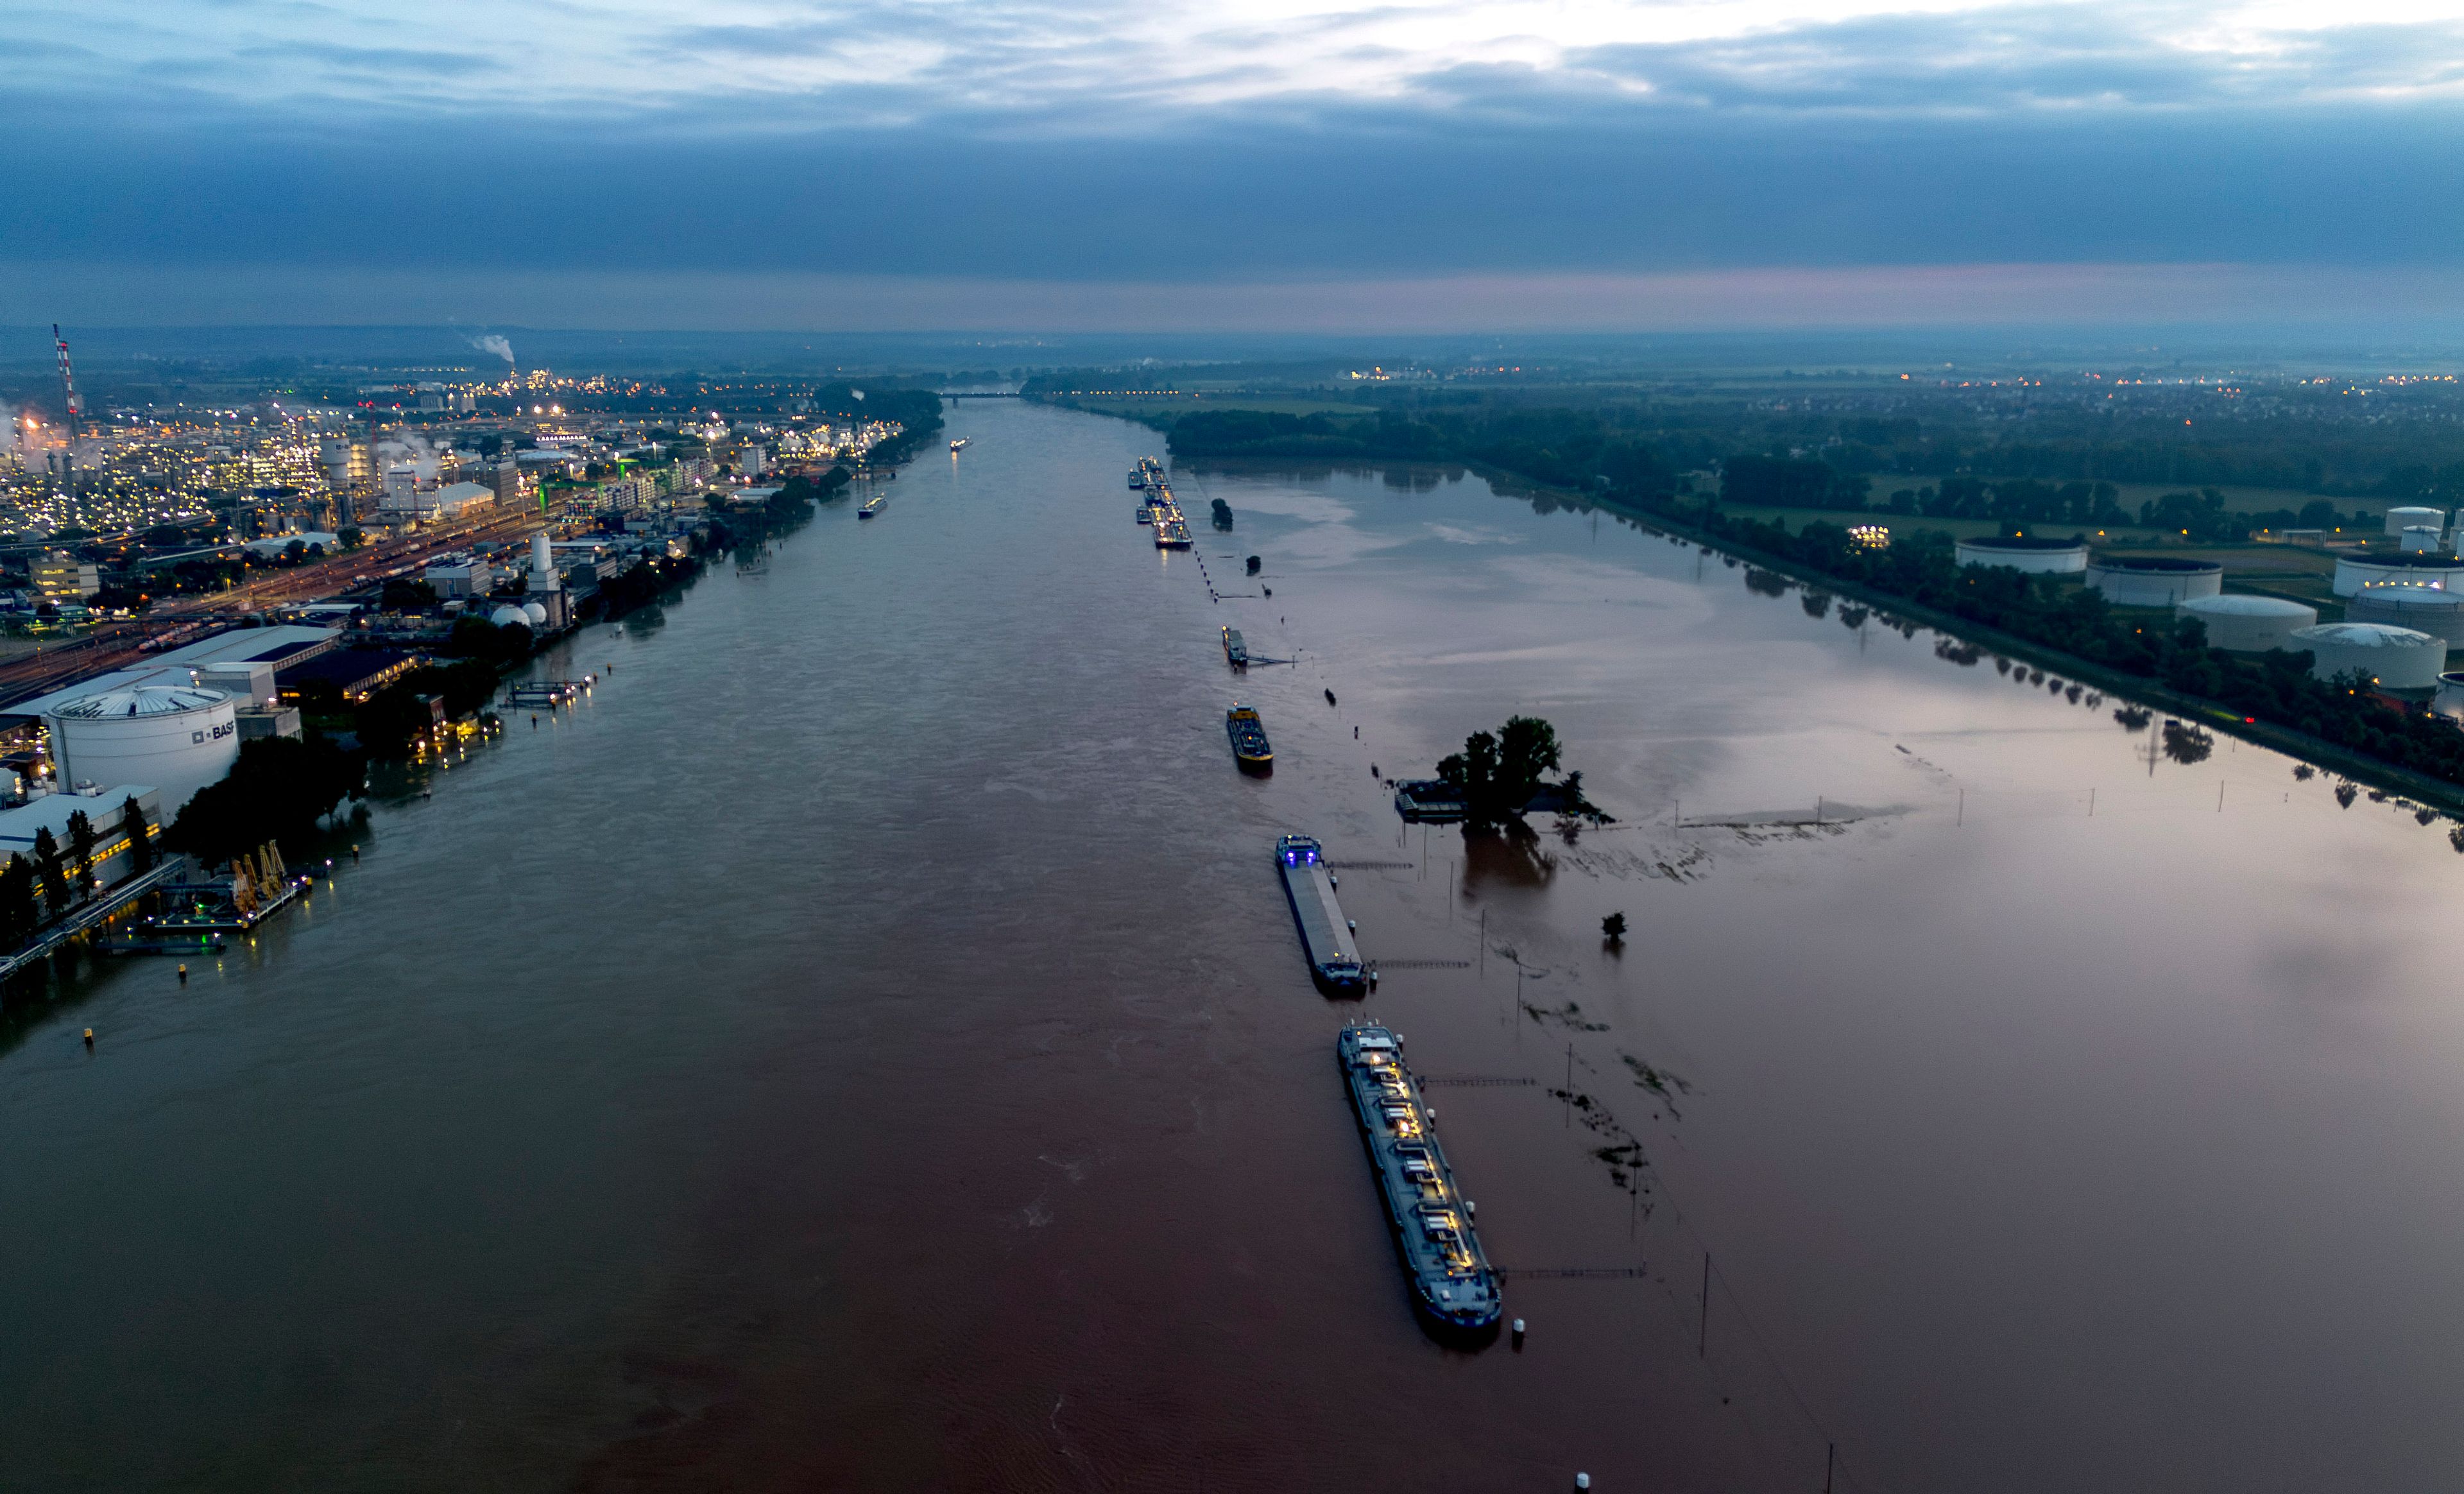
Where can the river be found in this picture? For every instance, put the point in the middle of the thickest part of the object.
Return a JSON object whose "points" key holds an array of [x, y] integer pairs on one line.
{"points": [[865, 1045]]}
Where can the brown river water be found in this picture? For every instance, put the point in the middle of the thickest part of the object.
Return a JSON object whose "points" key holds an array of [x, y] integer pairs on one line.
{"points": [[865, 1045]]}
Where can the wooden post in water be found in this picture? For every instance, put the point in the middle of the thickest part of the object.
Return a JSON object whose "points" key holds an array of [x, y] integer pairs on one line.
{"points": [[1703, 1337]]}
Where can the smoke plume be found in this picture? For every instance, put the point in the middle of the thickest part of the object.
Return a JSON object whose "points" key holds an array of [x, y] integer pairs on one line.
{"points": [[492, 343]]}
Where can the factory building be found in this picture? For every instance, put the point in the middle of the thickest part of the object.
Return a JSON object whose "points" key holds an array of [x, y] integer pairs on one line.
{"points": [[2036, 557], [61, 578], [2154, 581], [2246, 624], [2393, 658]]}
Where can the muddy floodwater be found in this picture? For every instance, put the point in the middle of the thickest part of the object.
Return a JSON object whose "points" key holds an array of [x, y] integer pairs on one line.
{"points": [[865, 1045]]}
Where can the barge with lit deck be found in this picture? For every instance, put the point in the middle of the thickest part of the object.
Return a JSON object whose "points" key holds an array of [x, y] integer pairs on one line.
{"points": [[1453, 1284]]}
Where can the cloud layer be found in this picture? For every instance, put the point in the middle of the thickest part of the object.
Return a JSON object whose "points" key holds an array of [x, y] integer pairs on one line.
{"points": [[1274, 141]]}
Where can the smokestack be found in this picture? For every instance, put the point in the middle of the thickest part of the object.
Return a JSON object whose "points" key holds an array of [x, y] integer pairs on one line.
{"points": [[542, 559]]}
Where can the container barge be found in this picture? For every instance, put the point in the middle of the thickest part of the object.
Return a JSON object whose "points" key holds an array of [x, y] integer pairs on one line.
{"points": [[1248, 735], [1326, 937], [1453, 1286]]}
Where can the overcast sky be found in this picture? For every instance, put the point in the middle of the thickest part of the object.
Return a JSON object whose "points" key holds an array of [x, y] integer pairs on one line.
{"points": [[1014, 164]]}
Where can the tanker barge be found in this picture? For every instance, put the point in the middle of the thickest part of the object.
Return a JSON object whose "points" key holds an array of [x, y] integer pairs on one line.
{"points": [[1453, 1284], [1325, 939]]}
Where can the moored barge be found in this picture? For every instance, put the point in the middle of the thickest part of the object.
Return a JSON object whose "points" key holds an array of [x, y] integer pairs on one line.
{"points": [[1453, 1286], [1326, 937], [1248, 736]]}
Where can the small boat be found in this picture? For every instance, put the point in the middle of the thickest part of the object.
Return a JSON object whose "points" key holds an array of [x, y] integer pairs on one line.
{"points": [[1146, 515], [872, 506], [960, 444], [1248, 738], [1235, 652], [1137, 479]]}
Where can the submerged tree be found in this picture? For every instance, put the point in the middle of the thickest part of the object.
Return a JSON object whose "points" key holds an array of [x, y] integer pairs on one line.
{"points": [[1499, 774], [1613, 928]]}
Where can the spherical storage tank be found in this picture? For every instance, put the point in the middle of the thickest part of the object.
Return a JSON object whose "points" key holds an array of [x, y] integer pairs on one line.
{"points": [[535, 613], [2399, 519], [2248, 624], [2353, 573], [2154, 581], [2042, 556], [175, 739], [510, 616], [2396, 658], [2425, 609]]}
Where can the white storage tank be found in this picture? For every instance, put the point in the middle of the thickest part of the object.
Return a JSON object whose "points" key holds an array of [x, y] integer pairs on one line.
{"points": [[2249, 624], [2418, 539], [510, 616], [2399, 519], [2448, 702], [177, 739], [536, 613], [2038, 557], [2140, 581], [2354, 573], [2425, 609], [2395, 658]]}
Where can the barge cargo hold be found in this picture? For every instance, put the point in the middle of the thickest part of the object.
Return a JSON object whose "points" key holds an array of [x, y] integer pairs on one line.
{"points": [[872, 507], [1453, 1286], [1325, 939], [1248, 736], [1235, 652]]}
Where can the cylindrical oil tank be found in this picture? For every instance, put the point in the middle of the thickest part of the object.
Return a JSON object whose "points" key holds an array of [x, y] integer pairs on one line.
{"points": [[2354, 572], [2425, 609], [2418, 539], [2038, 557], [2394, 658], [2399, 519], [2137, 580], [2248, 624], [175, 739], [2448, 702]]}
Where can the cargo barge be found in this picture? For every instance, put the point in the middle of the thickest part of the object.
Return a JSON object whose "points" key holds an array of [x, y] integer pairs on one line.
{"points": [[1453, 1286], [1248, 736], [1326, 937], [1235, 652], [872, 506]]}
